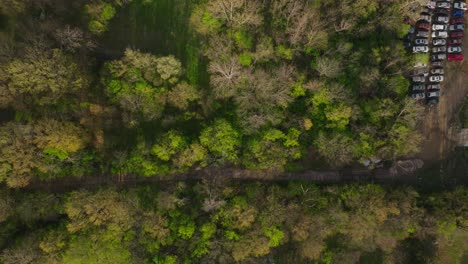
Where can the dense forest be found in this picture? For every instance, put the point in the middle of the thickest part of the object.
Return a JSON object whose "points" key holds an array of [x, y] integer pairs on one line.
{"points": [[219, 222], [159, 87], [162, 87]]}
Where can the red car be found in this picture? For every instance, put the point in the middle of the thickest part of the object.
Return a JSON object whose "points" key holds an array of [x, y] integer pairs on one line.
{"points": [[457, 20], [455, 42], [456, 34], [455, 57], [425, 26]]}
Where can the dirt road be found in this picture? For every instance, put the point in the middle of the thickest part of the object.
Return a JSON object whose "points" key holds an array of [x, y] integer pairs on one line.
{"points": [[437, 127]]}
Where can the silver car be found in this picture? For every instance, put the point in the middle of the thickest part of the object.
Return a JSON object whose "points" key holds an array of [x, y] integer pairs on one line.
{"points": [[439, 49]]}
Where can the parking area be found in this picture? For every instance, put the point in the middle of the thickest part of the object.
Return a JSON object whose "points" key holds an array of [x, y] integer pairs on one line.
{"points": [[436, 38]]}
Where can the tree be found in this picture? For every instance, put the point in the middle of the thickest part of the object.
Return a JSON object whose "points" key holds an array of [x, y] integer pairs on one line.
{"points": [[222, 140], [273, 150], [262, 97], [338, 150], [236, 14], [102, 209], [40, 78], [140, 84], [182, 95], [45, 146]]}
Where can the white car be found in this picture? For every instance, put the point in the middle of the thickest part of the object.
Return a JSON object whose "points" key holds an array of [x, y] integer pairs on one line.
{"points": [[439, 34], [418, 49], [441, 27], [433, 94], [457, 27], [436, 78], [460, 5], [439, 42], [454, 49], [419, 79]]}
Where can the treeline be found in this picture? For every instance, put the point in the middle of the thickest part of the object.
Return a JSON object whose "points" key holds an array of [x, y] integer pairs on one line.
{"points": [[320, 81], [217, 222]]}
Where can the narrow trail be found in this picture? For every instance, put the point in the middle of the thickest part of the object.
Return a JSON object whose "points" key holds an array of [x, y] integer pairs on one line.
{"points": [[383, 176]]}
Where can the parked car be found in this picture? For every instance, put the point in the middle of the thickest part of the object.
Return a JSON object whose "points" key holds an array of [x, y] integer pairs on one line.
{"points": [[455, 57], [458, 13], [456, 34], [418, 87], [442, 27], [419, 49], [419, 65], [431, 4], [457, 20], [437, 71], [433, 86], [437, 63], [457, 27], [442, 19], [433, 101], [425, 26], [439, 49], [418, 96], [439, 34], [442, 11], [422, 34], [434, 93], [456, 41], [439, 42], [454, 49], [421, 41], [437, 57], [460, 5], [436, 78], [423, 72], [445, 5], [419, 79], [425, 17]]}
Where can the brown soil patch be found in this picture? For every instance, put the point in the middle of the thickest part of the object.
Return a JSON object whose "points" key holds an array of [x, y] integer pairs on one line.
{"points": [[438, 123]]}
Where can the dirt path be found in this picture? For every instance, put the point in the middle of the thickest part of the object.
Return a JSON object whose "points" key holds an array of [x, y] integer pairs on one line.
{"points": [[437, 126]]}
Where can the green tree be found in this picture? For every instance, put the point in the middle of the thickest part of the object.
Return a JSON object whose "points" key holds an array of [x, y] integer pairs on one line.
{"points": [[40, 78], [222, 140]]}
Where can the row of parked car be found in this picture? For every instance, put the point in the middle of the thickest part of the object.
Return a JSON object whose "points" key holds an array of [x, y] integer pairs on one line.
{"points": [[447, 26]]}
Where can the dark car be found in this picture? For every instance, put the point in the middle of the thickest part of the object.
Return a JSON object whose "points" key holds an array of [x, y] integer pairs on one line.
{"points": [[418, 96], [418, 87], [457, 20], [433, 101], [425, 26], [455, 42], [458, 13], [456, 34], [442, 12]]}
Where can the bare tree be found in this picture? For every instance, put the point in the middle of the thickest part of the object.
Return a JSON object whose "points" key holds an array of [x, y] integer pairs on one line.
{"points": [[237, 13]]}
